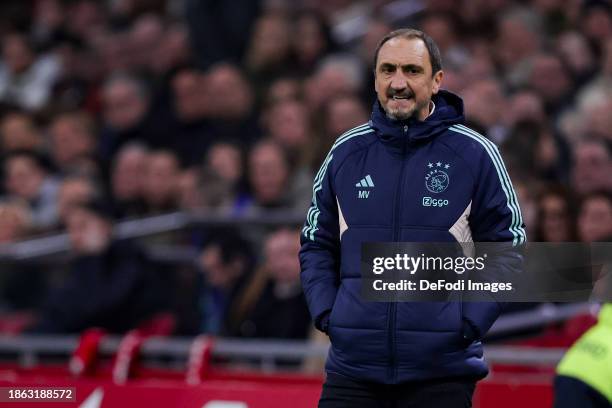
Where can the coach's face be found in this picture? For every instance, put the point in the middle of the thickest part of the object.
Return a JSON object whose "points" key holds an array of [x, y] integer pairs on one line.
{"points": [[403, 79]]}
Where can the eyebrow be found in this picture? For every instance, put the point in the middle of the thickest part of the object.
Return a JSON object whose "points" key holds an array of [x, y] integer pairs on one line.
{"points": [[386, 65]]}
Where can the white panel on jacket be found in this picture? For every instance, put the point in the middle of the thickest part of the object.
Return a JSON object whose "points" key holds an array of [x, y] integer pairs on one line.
{"points": [[462, 232], [341, 221]]}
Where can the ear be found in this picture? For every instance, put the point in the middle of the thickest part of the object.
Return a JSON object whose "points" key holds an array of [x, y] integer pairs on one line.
{"points": [[437, 82]]}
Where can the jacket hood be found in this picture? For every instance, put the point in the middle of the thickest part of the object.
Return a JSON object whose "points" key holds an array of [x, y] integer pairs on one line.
{"points": [[448, 111]]}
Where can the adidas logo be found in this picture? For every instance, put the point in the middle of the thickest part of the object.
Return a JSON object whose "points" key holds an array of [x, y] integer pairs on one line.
{"points": [[365, 182]]}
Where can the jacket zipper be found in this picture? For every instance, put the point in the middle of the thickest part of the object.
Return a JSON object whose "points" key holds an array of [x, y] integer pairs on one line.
{"points": [[396, 231]]}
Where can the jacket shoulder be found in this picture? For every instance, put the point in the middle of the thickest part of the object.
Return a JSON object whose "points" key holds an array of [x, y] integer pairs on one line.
{"points": [[352, 140], [468, 143]]}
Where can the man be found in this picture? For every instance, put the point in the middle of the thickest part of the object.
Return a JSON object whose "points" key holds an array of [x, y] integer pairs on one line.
{"points": [[585, 373], [110, 284], [403, 354], [27, 177]]}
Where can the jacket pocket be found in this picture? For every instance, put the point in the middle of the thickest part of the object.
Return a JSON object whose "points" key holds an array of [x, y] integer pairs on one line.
{"points": [[334, 309]]}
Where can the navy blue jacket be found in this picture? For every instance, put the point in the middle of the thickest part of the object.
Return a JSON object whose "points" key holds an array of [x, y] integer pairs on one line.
{"points": [[379, 183]]}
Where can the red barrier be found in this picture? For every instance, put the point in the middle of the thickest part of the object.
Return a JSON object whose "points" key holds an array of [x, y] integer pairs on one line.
{"points": [[85, 357], [224, 389], [127, 356], [198, 364]]}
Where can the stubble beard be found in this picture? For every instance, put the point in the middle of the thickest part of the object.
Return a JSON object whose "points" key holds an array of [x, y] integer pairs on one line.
{"points": [[397, 114]]}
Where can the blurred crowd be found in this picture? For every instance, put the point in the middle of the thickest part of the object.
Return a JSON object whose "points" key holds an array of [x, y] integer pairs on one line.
{"points": [[122, 109]]}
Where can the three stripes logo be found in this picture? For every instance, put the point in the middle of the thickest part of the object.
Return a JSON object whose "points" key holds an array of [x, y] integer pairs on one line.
{"points": [[365, 182]]}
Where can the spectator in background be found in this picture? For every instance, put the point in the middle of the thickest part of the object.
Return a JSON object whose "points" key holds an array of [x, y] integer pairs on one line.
{"points": [[143, 38], [211, 20], [269, 52], [283, 89], [22, 285], [595, 217], [335, 75], [86, 17], [172, 51], [592, 167], [548, 76], [110, 284], [311, 40], [74, 191], [126, 102], [556, 216], [528, 139], [77, 87], [343, 112], [288, 123], [226, 159], [596, 23], [518, 39], [442, 28], [192, 103], [48, 20], [15, 221], [223, 184], [485, 103], [25, 79], [161, 184], [128, 176], [270, 179], [231, 113], [273, 305], [19, 132], [593, 102], [27, 177], [225, 263], [577, 56], [73, 143], [524, 105], [229, 106], [189, 96]]}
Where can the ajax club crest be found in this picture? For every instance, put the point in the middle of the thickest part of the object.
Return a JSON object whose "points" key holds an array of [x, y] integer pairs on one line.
{"points": [[436, 179]]}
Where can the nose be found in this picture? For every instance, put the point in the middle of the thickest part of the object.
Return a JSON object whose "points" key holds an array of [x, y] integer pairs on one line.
{"points": [[398, 82]]}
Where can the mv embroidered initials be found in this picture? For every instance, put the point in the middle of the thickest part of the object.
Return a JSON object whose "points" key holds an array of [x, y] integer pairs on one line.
{"points": [[365, 182]]}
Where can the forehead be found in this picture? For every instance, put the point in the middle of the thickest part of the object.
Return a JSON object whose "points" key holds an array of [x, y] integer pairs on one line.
{"points": [[591, 150], [21, 162], [402, 51], [597, 204]]}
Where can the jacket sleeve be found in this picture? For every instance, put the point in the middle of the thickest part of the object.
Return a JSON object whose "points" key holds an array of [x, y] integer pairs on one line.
{"points": [[320, 251], [496, 217]]}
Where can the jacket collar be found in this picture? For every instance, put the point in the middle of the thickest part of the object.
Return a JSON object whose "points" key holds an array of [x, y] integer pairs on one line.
{"points": [[448, 111]]}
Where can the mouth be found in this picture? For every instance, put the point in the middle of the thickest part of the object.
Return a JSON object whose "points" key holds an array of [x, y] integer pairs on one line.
{"points": [[401, 97]]}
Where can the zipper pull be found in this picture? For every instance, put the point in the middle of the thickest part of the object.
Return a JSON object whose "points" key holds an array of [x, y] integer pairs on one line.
{"points": [[405, 128]]}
